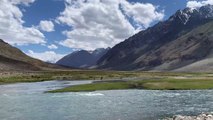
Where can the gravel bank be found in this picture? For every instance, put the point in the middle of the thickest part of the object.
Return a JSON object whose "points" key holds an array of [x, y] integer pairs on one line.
{"points": [[203, 116]]}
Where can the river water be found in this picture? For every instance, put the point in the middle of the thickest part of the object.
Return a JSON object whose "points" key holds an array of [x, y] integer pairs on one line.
{"points": [[27, 101]]}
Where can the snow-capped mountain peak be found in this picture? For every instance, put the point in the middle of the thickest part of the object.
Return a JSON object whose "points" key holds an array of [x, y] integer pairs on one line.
{"points": [[187, 14]]}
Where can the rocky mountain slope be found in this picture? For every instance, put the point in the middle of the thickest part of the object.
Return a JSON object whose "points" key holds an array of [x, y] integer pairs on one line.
{"points": [[12, 58], [185, 38], [82, 58]]}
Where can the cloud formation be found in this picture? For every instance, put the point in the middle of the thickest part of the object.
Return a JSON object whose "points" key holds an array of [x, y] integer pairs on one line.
{"points": [[46, 26], [104, 23], [47, 56], [11, 24], [25, 2], [143, 14], [196, 4], [52, 46]]}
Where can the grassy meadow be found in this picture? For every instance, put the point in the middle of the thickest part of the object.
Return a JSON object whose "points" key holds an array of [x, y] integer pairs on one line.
{"points": [[161, 84], [6, 78], [113, 80]]}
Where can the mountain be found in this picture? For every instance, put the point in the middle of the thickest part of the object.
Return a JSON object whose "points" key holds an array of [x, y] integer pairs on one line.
{"points": [[185, 38], [12, 58], [82, 58]]}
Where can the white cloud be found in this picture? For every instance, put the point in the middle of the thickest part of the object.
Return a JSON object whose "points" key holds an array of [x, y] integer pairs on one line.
{"points": [[101, 23], [47, 56], [52, 46], [196, 4], [11, 24], [25, 2], [143, 14], [47, 26]]}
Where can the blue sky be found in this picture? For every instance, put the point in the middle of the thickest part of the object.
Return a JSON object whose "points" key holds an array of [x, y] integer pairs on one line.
{"points": [[50, 29]]}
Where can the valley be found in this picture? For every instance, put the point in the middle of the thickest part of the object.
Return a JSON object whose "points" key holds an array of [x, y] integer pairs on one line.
{"points": [[149, 71], [113, 80]]}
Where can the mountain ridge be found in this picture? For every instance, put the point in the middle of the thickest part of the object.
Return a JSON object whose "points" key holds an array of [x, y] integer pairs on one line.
{"points": [[11, 58], [141, 51], [82, 58]]}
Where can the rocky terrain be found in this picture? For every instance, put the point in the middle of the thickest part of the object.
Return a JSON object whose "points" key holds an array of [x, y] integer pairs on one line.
{"points": [[203, 116], [184, 42]]}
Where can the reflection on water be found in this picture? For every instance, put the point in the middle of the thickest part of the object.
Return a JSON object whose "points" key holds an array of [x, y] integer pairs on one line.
{"points": [[27, 101]]}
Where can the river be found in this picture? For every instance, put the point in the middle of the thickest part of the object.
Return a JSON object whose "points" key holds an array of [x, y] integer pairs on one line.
{"points": [[27, 101]]}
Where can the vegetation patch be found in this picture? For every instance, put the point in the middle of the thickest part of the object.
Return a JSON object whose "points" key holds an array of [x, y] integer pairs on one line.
{"points": [[94, 87], [162, 84], [112, 80], [186, 84], [64, 75]]}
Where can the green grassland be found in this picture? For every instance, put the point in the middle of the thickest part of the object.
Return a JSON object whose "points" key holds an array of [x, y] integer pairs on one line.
{"points": [[161, 84], [81, 75], [64, 75], [94, 87], [128, 80]]}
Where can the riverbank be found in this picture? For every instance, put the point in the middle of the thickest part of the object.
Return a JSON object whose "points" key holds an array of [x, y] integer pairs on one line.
{"points": [[99, 105], [17, 76], [203, 116], [37, 76], [159, 84], [113, 80]]}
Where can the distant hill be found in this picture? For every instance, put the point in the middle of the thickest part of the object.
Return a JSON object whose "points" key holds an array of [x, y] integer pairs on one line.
{"points": [[82, 58], [184, 42], [12, 58]]}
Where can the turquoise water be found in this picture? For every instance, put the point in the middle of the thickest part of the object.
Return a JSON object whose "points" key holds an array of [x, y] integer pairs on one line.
{"points": [[27, 101]]}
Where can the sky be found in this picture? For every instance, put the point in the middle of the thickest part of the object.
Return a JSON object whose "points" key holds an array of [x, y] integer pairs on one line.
{"points": [[51, 29]]}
